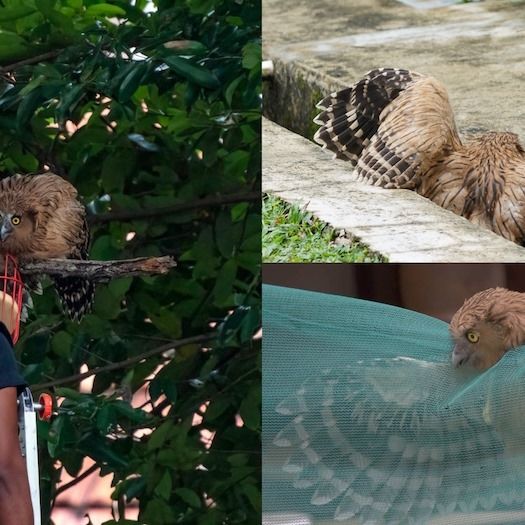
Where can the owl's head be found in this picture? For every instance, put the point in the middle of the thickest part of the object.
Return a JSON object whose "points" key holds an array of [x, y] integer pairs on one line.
{"points": [[480, 344], [488, 324], [16, 230]]}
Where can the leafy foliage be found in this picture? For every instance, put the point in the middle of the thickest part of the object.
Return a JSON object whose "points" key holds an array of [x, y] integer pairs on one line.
{"points": [[143, 111]]}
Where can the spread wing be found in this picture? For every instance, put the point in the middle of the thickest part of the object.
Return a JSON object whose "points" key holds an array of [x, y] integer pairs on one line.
{"points": [[392, 441], [394, 124]]}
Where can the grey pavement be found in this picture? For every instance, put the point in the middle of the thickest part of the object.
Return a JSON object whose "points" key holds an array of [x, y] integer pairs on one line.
{"points": [[397, 223]]}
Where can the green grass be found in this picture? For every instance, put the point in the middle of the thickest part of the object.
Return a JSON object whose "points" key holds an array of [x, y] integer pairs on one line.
{"points": [[292, 234]]}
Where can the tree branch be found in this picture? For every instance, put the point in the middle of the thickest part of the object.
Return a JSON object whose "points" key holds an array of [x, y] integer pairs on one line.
{"points": [[31, 60], [100, 270], [78, 479], [207, 202], [127, 362]]}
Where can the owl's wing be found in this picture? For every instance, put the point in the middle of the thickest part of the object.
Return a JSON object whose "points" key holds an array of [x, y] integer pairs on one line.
{"points": [[393, 123], [75, 293], [396, 441], [350, 117]]}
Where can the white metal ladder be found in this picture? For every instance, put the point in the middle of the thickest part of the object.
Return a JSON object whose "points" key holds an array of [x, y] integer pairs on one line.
{"points": [[27, 412]]}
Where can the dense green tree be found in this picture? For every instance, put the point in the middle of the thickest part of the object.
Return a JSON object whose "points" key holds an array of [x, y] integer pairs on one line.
{"points": [[152, 110]]}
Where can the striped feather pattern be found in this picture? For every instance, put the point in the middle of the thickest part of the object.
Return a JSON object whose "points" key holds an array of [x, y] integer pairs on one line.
{"points": [[380, 449]]}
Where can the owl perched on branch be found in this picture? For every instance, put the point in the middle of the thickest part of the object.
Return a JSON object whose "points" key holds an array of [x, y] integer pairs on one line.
{"points": [[397, 127], [488, 325], [41, 218]]}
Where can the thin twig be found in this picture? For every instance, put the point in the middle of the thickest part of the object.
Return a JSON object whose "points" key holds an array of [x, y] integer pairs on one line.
{"points": [[100, 270], [78, 479], [31, 60], [127, 362], [207, 202]]}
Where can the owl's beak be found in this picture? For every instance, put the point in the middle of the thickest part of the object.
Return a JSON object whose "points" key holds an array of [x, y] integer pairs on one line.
{"points": [[459, 356], [6, 229]]}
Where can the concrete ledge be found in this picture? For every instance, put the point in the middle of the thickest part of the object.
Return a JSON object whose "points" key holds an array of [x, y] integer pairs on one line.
{"points": [[399, 224]]}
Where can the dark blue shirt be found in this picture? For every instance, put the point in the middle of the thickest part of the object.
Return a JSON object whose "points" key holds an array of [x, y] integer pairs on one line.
{"points": [[9, 374]]}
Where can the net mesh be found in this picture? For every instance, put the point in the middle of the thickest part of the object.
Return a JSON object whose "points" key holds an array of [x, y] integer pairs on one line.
{"points": [[365, 420], [11, 295]]}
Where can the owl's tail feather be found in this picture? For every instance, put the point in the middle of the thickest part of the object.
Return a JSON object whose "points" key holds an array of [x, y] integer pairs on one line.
{"points": [[76, 295], [351, 117]]}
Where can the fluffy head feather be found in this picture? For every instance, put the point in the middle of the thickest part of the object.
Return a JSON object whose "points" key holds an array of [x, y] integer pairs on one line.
{"points": [[488, 324]]}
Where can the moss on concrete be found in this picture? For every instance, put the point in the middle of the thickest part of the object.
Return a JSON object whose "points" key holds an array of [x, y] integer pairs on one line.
{"points": [[291, 95]]}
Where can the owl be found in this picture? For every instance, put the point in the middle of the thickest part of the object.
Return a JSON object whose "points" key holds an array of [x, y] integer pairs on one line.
{"points": [[489, 324], [41, 218], [397, 127], [367, 421]]}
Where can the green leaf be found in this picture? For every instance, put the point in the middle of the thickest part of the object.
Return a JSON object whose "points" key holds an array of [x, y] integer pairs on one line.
{"points": [[238, 212], [99, 449], [98, 10], [250, 409], [164, 486], [160, 435], [104, 249], [188, 496], [185, 47], [61, 434], [217, 407], [251, 56], [224, 284], [142, 142], [132, 81], [69, 393], [15, 12], [236, 163], [117, 167], [227, 234], [119, 287], [230, 90], [27, 108], [135, 487], [253, 494], [107, 306], [163, 385], [69, 99], [135, 415], [196, 74], [201, 7], [105, 419], [159, 512], [61, 344], [168, 322]]}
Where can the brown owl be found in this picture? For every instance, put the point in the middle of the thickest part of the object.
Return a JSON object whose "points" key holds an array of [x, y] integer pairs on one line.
{"points": [[41, 218], [489, 324], [397, 127]]}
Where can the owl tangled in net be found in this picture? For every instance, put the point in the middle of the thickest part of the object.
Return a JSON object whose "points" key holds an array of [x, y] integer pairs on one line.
{"points": [[397, 127], [398, 440], [41, 218]]}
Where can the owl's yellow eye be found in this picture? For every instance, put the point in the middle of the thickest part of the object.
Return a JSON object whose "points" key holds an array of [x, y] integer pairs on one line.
{"points": [[15, 220], [473, 337]]}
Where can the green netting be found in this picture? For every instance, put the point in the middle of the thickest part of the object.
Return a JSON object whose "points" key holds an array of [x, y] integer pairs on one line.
{"points": [[365, 420]]}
